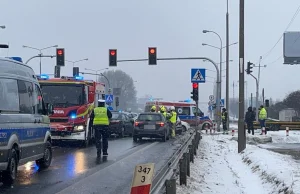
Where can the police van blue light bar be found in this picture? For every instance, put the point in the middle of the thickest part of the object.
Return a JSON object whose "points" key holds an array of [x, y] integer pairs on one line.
{"points": [[19, 59], [44, 76]]}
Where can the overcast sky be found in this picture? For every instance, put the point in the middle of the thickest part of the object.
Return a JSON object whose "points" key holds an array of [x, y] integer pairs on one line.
{"points": [[87, 29]]}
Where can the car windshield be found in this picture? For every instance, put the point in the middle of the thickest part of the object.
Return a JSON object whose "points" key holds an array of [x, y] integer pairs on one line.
{"points": [[149, 117], [116, 116], [63, 95]]}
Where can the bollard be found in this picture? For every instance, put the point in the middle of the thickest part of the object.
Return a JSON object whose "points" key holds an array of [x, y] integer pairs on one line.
{"points": [[263, 131], [206, 129], [214, 128], [187, 159], [232, 131], [287, 129], [191, 153], [170, 186], [182, 171]]}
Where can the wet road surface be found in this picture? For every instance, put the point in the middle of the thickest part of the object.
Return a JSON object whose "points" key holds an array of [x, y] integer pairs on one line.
{"points": [[76, 170], [292, 149]]}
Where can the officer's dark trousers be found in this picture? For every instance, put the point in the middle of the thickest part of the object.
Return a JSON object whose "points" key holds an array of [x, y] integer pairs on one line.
{"points": [[224, 125], [101, 131], [250, 127]]}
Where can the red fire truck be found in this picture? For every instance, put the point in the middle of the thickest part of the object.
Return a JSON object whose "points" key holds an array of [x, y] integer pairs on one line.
{"points": [[73, 99]]}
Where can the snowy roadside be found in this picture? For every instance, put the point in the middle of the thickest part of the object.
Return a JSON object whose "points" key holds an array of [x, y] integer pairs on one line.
{"points": [[219, 169]]}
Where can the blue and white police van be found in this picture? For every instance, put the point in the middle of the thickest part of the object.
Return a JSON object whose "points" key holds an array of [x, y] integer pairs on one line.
{"points": [[24, 123]]}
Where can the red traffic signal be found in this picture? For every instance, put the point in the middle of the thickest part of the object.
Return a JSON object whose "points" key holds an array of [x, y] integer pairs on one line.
{"points": [[195, 85], [113, 52], [152, 50], [60, 51]]}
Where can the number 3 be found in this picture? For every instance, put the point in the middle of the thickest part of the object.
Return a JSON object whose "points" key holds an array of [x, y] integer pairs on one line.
{"points": [[143, 179], [141, 168]]}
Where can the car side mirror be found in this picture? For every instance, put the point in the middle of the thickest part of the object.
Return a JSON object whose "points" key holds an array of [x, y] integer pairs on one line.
{"points": [[50, 109]]}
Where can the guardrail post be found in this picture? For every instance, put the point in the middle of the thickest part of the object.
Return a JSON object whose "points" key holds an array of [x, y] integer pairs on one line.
{"points": [[170, 186], [191, 153], [187, 158], [182, 171], [195, 147]]}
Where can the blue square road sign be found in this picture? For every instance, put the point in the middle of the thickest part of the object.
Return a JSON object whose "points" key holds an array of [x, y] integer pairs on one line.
{"points": [[198, 75], [109, 98]]}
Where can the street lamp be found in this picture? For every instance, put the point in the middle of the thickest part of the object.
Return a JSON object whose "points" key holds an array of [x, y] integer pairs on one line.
{"points": [[77, 61], [3, 27], [40, 50], [97, 72], [221, 47]]}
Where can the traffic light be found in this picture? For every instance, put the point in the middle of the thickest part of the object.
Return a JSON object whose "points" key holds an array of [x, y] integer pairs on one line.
{"points": [[113, 57], [60, 57], [249, 67], [152, 56], [57, 71], [195, 92], [75, 71], [267, 103], [117, 101]]}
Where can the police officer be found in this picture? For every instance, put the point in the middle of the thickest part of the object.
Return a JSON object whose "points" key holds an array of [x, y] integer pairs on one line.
{"points": [[173, 121], [153, 108], [224, 120], [99, 118], [163, 111]]}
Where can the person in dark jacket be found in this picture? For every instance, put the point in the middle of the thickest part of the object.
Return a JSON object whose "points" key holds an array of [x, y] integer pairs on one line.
{"points": [[249, 119], [99, 119]]}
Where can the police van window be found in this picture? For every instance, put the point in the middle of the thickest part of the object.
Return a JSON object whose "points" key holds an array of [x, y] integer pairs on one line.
{"points": [[25, 90], [38, 101], [183, 110], [9, 97]]}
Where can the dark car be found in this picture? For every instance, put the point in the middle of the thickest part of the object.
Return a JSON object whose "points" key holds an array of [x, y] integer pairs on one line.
{"points": [[120, 124], [151, 125]]}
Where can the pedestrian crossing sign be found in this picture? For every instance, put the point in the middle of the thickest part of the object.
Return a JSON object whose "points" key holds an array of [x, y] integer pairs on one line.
{"points": [[109, 98], [198, 75]]}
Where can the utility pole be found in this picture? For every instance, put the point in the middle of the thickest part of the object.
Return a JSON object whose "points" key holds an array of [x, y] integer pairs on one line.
{"points": [[241, 127], [227, 66]]}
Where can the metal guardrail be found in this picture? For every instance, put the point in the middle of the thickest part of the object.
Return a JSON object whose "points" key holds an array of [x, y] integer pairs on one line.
{"points": [[169, 169]]}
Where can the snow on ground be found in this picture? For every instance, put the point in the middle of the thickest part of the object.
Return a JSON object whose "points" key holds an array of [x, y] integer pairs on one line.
{"points": [[280, 136], [219, 169]]}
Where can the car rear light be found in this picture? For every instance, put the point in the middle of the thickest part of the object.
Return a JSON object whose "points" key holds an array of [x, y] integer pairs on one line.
{"points": [[161, 124], [136, 124]]}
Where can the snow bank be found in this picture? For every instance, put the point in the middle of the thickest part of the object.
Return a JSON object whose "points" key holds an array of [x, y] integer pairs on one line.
{"points": [[219, 169], [280, 170], [255, 139]]}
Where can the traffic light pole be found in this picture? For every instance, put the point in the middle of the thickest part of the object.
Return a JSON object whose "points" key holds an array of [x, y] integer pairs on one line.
{"points": [[218, 98]]}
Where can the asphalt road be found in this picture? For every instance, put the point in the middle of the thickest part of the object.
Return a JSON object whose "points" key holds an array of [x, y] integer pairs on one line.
{"points": [[76, 170], [292, 149]]}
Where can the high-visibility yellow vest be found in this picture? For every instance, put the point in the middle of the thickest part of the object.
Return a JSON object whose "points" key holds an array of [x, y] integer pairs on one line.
{"points": [[262, 114], [165, 114], [100, 116], [174, 117]]}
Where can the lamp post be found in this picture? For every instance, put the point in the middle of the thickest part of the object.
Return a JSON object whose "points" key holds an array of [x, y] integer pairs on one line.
{"points": [[40, 50], [98, 74], [77, 61]]}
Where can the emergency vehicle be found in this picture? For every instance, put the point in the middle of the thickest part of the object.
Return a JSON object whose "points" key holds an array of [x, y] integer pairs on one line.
{"points": [[186, 112], [73, 99]]}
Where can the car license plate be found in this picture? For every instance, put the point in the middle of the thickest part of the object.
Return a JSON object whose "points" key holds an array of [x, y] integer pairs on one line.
{"points": [[149, 127]]}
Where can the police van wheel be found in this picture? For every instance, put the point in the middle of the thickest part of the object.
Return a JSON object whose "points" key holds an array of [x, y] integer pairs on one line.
{"points": [[9, 176], [45, 162], [121, 134]]}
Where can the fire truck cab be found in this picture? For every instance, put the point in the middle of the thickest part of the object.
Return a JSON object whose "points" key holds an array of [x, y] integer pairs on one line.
{"points": [[73, 99]]}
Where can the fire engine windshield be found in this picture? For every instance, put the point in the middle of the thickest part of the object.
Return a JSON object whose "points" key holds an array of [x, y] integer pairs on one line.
{"points": [[63, 95]]}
